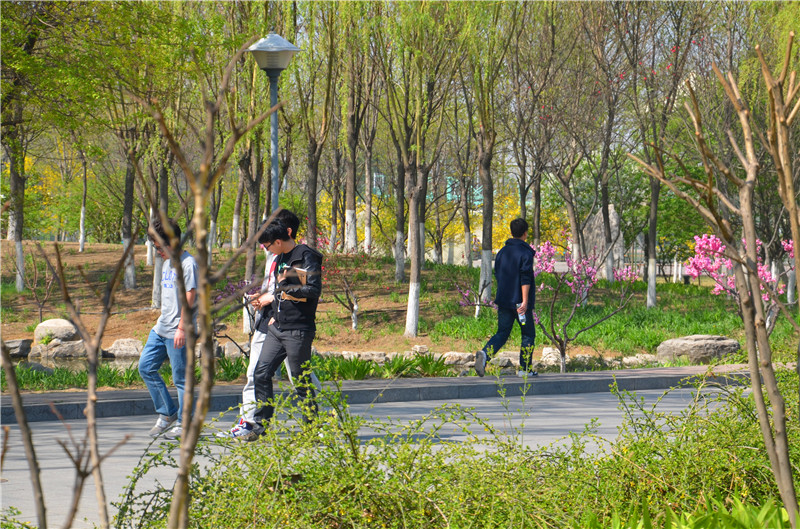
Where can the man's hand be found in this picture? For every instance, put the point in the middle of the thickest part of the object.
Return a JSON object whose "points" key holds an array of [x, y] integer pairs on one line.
{"points": [[261, 301], [180, 338], [522, 307]]}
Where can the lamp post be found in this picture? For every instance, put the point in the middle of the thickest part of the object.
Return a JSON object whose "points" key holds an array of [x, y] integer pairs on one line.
{"points": [[272, 54]]}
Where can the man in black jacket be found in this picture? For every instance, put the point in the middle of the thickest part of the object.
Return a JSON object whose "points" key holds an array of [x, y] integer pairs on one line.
{"points": [[291, 328], [513, 268]]}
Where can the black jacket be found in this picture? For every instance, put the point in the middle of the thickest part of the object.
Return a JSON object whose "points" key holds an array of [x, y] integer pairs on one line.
{"points": [[513, 267], [299, 286]]}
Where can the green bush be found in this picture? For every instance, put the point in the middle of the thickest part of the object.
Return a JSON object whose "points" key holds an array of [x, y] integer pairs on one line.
{"points": [[706, 463]]}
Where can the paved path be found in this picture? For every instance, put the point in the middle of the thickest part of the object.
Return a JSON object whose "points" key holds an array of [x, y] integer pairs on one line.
{"points": [[555, 406], [70, 405]]}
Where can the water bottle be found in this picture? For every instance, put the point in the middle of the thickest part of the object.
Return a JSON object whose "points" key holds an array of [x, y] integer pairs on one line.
{"points": [[521, 317]]}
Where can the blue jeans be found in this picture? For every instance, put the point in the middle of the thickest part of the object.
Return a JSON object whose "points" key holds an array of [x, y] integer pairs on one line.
{"points": [[505, 321], [156, 350]]}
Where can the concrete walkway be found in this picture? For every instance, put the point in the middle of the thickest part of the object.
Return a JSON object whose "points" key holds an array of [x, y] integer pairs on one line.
{"points": [[130, 402]]}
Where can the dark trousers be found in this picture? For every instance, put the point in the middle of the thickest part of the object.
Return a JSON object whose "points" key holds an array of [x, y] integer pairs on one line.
{"points": [[505, 321], [278, 345]]}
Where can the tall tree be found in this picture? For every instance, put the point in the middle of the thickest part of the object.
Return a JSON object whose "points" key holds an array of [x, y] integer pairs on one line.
{"points": [[493, 25], [314, 85], [657, 40], [418, 67]]}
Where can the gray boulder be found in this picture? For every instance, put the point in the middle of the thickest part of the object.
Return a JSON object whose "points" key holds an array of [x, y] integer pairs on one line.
{"points": [[698, 348], [551, 357], [19, 348], [56, 328], [59, 349], [126, 348], [232, 351], [454, 358]]}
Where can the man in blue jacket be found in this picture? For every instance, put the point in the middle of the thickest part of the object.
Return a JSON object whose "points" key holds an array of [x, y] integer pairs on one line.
{"points": [[513, 268]]}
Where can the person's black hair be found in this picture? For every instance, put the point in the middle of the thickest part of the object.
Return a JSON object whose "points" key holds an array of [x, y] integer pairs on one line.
{"points": [[276, 230], [158, 227], [290, 219], [518, 228]]}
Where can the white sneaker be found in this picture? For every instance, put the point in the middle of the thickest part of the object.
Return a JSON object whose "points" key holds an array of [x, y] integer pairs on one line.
{"points": [[526, 374], [162, 425], [175, 432], [241, 430]]}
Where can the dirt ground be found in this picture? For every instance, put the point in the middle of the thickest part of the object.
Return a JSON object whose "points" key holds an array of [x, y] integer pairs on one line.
{"points": [[380, 328]]}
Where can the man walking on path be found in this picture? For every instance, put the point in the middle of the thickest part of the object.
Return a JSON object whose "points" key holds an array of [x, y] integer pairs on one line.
{"points": [[257, 371], [291, 326], [513, 268], [167, 339]]}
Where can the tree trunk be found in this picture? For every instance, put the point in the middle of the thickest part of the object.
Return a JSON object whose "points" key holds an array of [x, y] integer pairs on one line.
{"points": [[237, 211], [399, 217], [604, 204], [537, 211], [484, 171], [82, 236], [311, 193], [655, 189], [127, 227], [415, 254], [253, 166], [16, 183], [368, 201]]}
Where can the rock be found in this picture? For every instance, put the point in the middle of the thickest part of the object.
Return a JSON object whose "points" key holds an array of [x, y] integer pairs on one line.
{"points": [[420, 349], [56, 329], [551, 357], [216, 349], [19, 348], [75, 349], [638, 360], [500, 361], [232, 351], [453, 358], [373, 356], [512, 356], [698, 348], [126, 348], [35, 366]]}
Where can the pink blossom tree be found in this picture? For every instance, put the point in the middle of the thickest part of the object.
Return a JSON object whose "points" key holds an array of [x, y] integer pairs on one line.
{"points": [[724, 197], [710, 260], [572, 286]]}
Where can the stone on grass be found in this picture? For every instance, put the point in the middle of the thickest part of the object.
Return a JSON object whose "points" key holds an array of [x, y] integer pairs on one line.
{"points": [[420, 349], [551, 357], [698, 348], [19, 348], [232, 351], [453, 358], [373, 356], [499, 361], [59, 349], [638, 360], [126, 348], [56, 328]]}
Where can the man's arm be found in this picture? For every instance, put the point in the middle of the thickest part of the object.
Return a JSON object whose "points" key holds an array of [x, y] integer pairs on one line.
{"points": [[524, 305], [186, 320], [312, 263]]}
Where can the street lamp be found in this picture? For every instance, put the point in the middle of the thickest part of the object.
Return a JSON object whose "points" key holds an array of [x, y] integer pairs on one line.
{"points": [[273, 53]]}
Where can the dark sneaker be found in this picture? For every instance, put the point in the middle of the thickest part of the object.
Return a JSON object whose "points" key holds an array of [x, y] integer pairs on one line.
{"points": [[162, 425], [526, 374], [480, 363], [174, 433]]}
